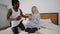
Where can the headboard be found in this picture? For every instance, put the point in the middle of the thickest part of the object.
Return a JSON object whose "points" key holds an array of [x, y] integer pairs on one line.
{"points": [[52, 16]]}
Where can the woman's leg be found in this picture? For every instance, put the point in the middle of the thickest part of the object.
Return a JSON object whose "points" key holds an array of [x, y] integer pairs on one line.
{"points": [[27, 30], [33, 30], [15, 30], [21, 26]]}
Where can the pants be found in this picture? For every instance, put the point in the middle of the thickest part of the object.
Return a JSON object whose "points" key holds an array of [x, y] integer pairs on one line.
{"points": [[31, 30], [15, 29]]}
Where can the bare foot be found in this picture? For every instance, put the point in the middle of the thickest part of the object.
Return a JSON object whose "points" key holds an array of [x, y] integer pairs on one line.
{"points": [[38, 32]]}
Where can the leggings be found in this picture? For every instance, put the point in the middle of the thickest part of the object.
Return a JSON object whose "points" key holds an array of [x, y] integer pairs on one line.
{"points": [[15, 29], [31, 30]]}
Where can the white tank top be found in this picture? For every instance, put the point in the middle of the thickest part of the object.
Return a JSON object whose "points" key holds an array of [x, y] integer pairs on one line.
{"points": [[14, 15]]}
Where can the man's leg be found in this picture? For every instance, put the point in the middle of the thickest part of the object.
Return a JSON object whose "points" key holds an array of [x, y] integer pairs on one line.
{"points": [[15, 30]]}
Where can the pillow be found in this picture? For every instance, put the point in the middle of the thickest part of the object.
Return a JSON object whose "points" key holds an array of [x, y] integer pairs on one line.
{"points": [[49, 25], [45, 21]]}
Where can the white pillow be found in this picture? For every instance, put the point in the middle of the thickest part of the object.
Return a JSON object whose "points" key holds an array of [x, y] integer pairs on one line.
{"points": [[49, 25], [45, 21]]}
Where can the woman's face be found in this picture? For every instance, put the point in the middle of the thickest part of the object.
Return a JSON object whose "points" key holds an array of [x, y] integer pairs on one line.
{"points": [[16, 5], [33, 10]]}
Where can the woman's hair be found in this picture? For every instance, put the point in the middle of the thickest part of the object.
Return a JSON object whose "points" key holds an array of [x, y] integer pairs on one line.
{"points": [[14, 2], [35, 8]]}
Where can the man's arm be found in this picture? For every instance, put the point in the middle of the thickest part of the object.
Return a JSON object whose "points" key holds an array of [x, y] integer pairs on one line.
{"points": [[9, 14], [22, 14]]}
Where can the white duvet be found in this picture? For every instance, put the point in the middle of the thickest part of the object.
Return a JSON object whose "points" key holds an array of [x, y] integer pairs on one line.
{"points": [[50, 28]]}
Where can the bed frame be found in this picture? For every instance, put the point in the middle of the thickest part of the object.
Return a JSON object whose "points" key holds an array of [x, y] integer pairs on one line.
{"points": [[52, 16]]}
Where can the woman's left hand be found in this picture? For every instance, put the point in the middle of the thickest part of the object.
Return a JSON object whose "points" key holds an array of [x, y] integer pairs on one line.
{"points": [[30, 16]]}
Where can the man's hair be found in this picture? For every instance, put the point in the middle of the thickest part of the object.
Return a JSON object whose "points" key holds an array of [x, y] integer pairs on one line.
{"points": [[14, 2]]}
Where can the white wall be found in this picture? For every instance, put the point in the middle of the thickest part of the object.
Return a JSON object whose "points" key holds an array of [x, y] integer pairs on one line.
{"points": [[5, 2], [43, 5], [3, 13]]}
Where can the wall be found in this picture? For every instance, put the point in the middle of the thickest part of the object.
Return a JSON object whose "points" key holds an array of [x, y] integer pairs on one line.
{"points": [[4, 2], [3, 13], [43, 5]]}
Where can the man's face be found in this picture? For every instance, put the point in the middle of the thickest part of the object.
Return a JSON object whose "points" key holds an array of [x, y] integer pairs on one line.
{"points": [[16, 5]]}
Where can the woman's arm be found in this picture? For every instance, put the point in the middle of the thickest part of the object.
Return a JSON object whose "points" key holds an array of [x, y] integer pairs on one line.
{"points": [[22, 14], [9, 14]]}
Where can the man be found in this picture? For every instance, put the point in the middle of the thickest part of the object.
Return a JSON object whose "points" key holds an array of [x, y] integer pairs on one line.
{"points": [[14, 15]]}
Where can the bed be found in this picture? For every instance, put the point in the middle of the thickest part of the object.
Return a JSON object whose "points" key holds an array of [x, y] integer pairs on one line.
{"points": [[48, 20], [53, 16], [50, 28]]}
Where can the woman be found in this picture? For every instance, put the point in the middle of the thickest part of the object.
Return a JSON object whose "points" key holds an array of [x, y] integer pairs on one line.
{"points": [[14, 15], [34, 21]]}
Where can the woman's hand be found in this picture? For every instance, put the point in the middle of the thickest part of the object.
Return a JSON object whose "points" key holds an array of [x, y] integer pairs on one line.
{"points": [[18, 18], [30, 16]]}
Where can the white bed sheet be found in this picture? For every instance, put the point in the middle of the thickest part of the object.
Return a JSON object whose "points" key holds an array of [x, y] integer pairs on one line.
{"points": [[42, 31], [50, 28], [48, 31]]}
